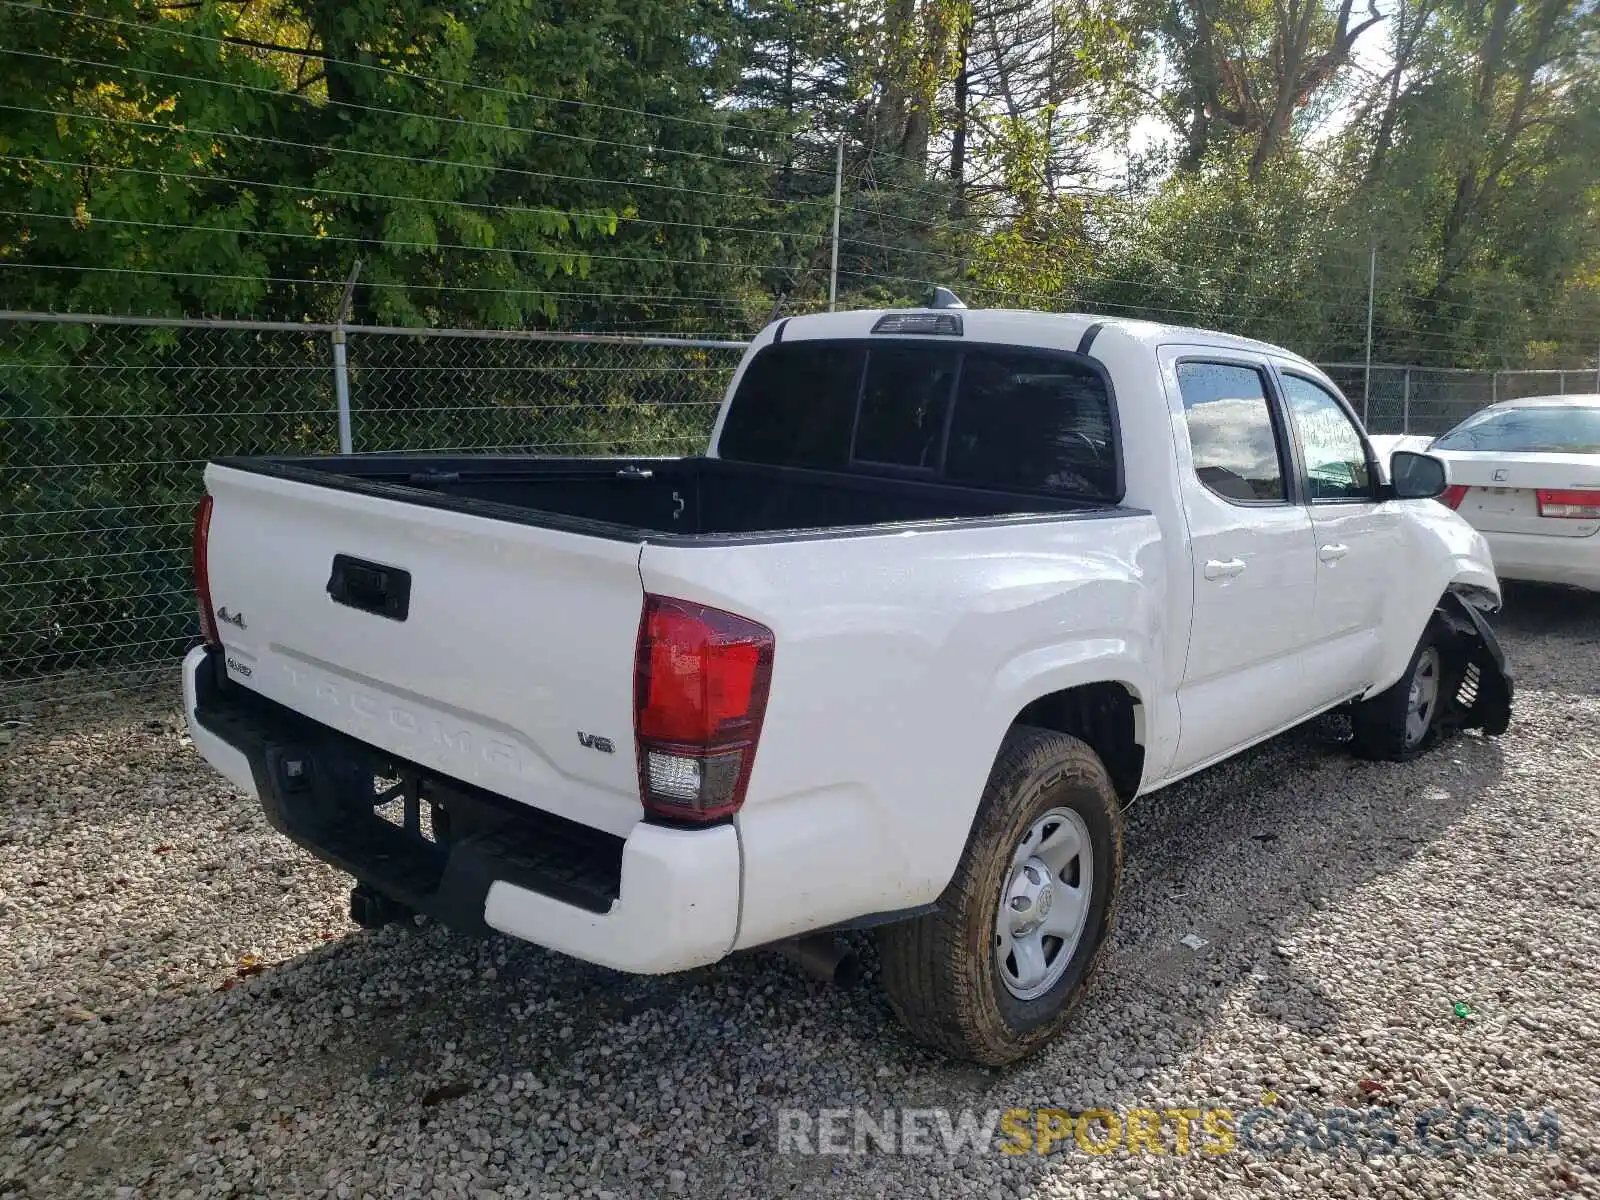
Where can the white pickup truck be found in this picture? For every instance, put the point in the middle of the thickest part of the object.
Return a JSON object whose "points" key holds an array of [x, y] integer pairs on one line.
{"points": [[948, 590]]}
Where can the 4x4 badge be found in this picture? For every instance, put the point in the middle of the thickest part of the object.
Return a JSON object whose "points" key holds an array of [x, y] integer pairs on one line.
{"points": [[234, 619]]}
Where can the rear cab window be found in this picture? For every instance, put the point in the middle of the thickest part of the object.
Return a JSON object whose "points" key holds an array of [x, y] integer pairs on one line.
{"points": [[975, 415], [1238, 454]]}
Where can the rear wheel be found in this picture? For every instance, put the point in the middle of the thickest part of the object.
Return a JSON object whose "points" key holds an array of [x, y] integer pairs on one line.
{"points": [[993, 973], [1405, 720]]}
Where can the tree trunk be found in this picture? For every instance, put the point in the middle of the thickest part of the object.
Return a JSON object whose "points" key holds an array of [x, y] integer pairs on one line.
{"points": [[1452, 234], [894, 105], [958, 137], [1410, 25]]}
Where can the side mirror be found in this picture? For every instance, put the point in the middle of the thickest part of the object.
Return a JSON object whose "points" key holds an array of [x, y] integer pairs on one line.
{"points": [[1417, 476]]}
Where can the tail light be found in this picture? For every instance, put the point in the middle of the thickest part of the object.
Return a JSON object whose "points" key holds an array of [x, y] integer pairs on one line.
{"points": [[700, 692], [1576, 503], [202, 573], [1453, 495]]}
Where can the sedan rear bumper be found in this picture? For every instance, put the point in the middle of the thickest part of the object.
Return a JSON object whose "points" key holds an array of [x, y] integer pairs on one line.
{"points": [[1538, 559]]}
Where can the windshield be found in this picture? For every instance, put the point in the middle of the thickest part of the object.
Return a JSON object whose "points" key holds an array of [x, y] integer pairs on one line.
{"points": [[1545, 429]]}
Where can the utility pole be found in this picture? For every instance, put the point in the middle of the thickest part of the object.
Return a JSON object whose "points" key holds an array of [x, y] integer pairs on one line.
{"points": [[838, 193], [1372, 280]]}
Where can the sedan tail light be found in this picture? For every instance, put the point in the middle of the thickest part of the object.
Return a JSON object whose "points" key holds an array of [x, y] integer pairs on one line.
{"points": [[701, 678], [1581, 504], [202, 572], [1453, 495]]}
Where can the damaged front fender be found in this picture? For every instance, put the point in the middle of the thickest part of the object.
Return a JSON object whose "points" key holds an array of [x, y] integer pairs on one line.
{"points": [[1484, 688]]}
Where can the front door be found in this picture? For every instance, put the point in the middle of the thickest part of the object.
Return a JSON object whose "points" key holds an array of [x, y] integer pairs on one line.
{"points": [[1358, 539], [1253, 556]]}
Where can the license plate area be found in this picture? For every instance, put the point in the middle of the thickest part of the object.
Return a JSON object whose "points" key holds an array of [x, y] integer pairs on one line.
{"points": [[400, 801], [1503, 501]]}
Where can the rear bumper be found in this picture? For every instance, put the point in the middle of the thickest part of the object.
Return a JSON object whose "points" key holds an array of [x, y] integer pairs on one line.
{"points": [[1538, 559], [658, 900]]}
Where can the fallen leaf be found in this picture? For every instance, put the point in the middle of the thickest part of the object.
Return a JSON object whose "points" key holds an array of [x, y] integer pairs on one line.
{"points": [[449, 1091], [226, 984], [163, 849], [1369, 1087]]}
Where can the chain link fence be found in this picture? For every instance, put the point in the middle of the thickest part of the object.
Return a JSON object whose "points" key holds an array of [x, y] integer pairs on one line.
{"points": [[107, 422], [105, 426], [1432, 400], [458, 391]]}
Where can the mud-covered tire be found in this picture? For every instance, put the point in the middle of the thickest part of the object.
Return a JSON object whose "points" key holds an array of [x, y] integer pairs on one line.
{"points": [[941, 971], [1380, 725]]}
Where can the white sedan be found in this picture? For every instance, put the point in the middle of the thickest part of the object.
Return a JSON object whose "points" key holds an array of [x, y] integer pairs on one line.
{"points": [[1526, 473]]}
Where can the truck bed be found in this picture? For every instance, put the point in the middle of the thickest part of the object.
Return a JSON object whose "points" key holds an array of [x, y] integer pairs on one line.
{"points": [[629, 499]]}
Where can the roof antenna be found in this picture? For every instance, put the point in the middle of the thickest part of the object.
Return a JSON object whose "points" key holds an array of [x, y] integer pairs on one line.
{"points": [[943, 297]]}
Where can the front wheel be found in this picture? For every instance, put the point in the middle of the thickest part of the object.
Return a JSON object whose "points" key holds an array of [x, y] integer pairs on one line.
{"points": [[994, 971], [1406, 719]]}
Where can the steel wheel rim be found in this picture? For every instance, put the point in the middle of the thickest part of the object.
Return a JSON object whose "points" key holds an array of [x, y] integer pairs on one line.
{"points": [[1423, 698], [1044, 904]]}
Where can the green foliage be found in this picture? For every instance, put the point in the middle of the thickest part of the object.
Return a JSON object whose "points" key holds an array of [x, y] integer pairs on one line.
{"points": [[651, 165], [641, 165]]}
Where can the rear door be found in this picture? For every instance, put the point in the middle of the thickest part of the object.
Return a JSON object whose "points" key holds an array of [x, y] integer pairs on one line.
{"points": [[1358, 539], [1252, 555], [492, 651]]}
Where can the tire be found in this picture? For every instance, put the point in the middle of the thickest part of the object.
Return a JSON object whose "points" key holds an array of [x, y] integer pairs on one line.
{"points": [[1386, 727], [943, 971]]}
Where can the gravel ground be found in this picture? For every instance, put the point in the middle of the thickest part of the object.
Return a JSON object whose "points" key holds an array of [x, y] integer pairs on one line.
{"points": [[186, 1011]]}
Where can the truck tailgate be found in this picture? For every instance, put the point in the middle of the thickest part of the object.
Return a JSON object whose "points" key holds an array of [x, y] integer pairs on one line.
{"points": [[511, 667]]}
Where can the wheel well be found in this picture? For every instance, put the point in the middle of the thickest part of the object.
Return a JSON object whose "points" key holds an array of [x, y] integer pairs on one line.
{"points": [[1106, 717], [1480, 598]]}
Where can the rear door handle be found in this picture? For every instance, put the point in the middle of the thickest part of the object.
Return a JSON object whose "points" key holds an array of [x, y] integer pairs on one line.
{"points": [[1217, 568], [1332, 553]]}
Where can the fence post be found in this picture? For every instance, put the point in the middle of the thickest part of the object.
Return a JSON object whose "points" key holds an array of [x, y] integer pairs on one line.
{"points": [[341, 391], [1494, 388], [1405, 403], [341, 370]]}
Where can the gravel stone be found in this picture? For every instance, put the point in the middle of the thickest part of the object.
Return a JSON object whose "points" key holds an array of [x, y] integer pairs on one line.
{"points": [[186, 1010]]}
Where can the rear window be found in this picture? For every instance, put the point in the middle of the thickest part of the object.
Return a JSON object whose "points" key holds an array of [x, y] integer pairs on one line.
{"points": [[980, 416], [1548, 429], [904, 406], [1034, 422], [796, 406]]}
